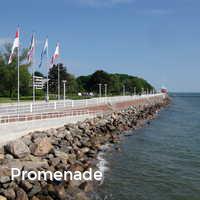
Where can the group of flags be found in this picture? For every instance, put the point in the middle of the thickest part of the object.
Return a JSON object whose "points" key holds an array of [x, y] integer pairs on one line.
{"points": [[31, 51]]}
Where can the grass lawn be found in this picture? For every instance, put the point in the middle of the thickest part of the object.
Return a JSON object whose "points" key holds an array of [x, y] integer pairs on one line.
{"points": [[6, 100], [41, 98]]}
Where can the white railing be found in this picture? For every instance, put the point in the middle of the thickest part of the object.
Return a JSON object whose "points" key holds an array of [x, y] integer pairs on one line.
{"points": [[43, 116], [54, 106]]}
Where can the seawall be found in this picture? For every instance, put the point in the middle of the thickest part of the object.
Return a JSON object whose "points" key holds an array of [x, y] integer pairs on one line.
{"points": [[71, 147]]}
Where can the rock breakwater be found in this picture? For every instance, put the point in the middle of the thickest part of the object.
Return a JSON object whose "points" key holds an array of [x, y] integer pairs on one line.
{"points": [[73, 147]]}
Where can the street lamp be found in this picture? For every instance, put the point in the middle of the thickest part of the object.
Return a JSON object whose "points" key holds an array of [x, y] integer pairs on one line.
{"points": [[134, 90], [100, 89], [58, 81], [106, 86], [124, 90], [64, 86]]}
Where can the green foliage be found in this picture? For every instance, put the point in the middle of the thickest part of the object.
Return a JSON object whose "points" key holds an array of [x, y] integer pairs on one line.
{"points": [[8, 74], [71, 84], [8, 80], [115, 83], [39, 74]]}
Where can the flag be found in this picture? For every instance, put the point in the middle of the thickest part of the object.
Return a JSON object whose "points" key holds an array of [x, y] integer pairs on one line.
{"points": [[56, 54], [44, 51], [15, 45], [31, 49]]}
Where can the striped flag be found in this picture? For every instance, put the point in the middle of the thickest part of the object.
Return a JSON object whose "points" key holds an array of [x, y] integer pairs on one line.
{"points": [[31, 49], [15, 45], [56, 54], [44, 51]]}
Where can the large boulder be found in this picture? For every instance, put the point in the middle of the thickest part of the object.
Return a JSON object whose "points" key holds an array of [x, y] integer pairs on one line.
{"points": [[4, 179], [5, 171], [35, 190], [41, 147], [26, 185], [81, 196], [1, 153], [1, 156], [62, 155], [57, 191], [9, 194], [20, 164], [21, 195], [18, 149]]}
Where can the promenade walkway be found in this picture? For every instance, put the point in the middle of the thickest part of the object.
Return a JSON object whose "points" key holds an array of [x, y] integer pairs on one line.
{"points": [[15, 129]]}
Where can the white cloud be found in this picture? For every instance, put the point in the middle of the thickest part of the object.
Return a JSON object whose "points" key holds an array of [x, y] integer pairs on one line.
{"points": [[103, 3]]}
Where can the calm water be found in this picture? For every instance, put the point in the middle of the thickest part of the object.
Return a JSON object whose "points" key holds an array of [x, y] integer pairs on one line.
{"points": [[160, 161]]}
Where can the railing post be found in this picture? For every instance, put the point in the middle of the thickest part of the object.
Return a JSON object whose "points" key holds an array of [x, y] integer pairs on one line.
{"points": [[31, 107], [72, 103], [86, 102]]}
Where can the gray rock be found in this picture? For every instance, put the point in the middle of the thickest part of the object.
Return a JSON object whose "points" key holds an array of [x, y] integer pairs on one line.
{"points": [[35, 190], [41, 147], [18, 149], [9, 156], [2, 156], [4, 179], [21, 195], [9, 194], [26, 185], [27, 140]]}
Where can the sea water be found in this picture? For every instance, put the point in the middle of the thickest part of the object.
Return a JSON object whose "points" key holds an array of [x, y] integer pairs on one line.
{"points": [[160, 161]]}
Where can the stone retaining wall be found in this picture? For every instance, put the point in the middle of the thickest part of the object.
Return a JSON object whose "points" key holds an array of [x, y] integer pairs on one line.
{"points": [[71, 147]]}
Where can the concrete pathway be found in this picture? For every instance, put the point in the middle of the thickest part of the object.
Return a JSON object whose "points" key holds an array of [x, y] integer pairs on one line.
{"points": [[10, 132]]}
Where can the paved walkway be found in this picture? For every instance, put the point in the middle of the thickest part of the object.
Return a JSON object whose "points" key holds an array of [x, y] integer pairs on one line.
{"points": [[10, 132]]}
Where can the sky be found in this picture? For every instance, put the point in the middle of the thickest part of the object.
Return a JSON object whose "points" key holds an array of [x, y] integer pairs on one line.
{"points": [[158, 40]]}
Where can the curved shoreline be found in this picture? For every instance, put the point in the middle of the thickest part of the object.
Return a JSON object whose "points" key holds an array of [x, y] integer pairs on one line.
{"points": [[73, 147]]}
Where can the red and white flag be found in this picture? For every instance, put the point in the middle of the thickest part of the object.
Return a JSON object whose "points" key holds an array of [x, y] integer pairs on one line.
{"points": [[31, 49], [15, 45], [56, 54]]}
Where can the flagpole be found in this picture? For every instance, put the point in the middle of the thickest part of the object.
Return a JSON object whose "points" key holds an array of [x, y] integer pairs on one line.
{"points": [[33, 73], [47, 73], [58, 81], [18, 91]]}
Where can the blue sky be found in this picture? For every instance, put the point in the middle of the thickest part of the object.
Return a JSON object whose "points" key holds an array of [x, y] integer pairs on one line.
{"points": [[155, 39]]}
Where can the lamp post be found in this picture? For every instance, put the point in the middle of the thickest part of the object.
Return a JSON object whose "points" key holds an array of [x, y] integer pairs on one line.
{"points": [[142, 90], [106, 86], [100, 89], [124, 90], [64, 86], [58, 82], [134, 90]]}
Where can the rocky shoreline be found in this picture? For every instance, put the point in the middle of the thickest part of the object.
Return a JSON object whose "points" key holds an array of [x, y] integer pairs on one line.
{"points": [[71, 147]]}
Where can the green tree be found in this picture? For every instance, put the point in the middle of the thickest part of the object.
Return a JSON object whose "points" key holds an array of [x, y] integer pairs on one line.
{"points": [[37, 73], [115, 83], [71, 85], [96, 78], [8, 74], [83, 83]]}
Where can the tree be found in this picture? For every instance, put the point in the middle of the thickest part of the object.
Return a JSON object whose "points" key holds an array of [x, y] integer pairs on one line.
{"points": [[115, 83], [98, 77], [37, 73], [8, 74], [83, 83], [71, 84]]}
